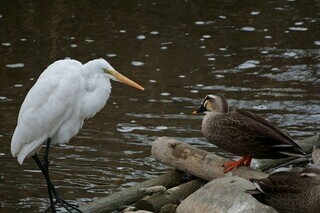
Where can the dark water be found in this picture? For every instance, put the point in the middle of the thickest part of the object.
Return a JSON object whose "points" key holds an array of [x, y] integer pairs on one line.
{"points": [[262, 55]]}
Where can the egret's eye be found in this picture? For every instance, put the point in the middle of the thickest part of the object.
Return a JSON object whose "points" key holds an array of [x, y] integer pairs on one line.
{"points": [[107, 71]]}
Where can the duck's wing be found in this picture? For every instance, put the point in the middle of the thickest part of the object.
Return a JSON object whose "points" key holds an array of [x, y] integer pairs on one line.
{"points": [[288, 191], [280, 182], [268, 133], [263, 121]]}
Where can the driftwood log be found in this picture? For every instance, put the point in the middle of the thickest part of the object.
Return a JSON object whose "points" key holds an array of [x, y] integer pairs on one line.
{"points": [[189, 159], [132, 194], [197, 162], [208, 166]]}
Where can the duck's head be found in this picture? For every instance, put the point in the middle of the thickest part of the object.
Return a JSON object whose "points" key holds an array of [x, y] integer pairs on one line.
{"points": [[213, 103]]}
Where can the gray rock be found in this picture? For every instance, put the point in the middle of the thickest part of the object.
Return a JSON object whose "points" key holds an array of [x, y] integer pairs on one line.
{"points": [[227, 194]]}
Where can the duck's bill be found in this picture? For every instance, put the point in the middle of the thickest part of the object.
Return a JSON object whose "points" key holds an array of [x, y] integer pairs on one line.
{"points": [[123, 79], [201, 109]]}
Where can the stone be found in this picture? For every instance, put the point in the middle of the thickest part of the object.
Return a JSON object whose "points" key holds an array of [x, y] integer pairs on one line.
{"points": [[226, 194]]}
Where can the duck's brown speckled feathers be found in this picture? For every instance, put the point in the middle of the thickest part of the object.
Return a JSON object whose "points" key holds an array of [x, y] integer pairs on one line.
{"points": [[244, 133], [290, 191]]}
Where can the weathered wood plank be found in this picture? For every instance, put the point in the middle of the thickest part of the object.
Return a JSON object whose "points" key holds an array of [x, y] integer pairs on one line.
{"points": [[189, 159], [132, 195], [197, 162]]}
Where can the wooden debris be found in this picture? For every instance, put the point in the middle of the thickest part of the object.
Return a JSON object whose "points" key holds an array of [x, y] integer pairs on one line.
{"points": [[169, 208], [126, 209], [131, 195], [189, 159], [197, 162], [151, 190], [172, 196]]}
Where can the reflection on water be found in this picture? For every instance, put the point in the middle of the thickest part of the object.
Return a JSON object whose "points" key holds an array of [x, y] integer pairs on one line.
{"points": [[263, 56]]}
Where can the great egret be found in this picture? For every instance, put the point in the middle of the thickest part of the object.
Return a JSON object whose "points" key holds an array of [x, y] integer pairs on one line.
{"points": [[54, 110], [244, 133]]}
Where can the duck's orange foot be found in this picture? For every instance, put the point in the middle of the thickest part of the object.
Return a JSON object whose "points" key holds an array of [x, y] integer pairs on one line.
{"points": [[244, 161]]}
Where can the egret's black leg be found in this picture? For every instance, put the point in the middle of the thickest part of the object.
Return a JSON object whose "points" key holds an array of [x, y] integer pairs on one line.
{"points": [[44, 167], [45, 174]]}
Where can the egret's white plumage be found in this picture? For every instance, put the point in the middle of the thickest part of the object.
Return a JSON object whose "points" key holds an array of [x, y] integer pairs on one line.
{"points": [[65, 94]]}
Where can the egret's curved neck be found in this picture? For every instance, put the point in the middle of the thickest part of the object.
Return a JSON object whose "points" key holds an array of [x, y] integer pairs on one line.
{"points": [[89, 68], [96, 94]]}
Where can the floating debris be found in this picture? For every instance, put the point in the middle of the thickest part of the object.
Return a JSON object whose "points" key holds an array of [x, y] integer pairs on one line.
{"points": [[298, 28], [218, 76], [254, 13], [298, 23], [17, 65], [199, 23], [137, 63], [249, 64], [6, 44], [165, 94], [248, 29], [141, 37], [111, 55], [152, 190], [89, 40]]}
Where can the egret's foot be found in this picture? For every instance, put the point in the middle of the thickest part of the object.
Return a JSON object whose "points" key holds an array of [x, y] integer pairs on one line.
{"points": [[244, 161], [61, 203]]}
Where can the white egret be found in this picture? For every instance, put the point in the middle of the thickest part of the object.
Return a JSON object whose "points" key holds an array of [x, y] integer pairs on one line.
{"points": [[54, 110]]}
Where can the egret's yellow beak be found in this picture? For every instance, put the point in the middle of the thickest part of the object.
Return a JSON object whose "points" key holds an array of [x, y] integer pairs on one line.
{"points": [[123, 79]]}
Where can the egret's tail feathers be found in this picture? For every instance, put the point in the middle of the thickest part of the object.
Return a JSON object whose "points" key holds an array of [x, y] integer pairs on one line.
{"points": [[21, 158], [25, 150]]}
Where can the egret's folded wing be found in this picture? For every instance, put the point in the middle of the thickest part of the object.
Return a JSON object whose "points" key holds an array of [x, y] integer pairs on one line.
{"points": [[49, 103]]}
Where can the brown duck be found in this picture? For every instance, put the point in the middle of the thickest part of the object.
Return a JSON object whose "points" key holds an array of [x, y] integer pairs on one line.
{"points": [[243, 133], [290, 191]]}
